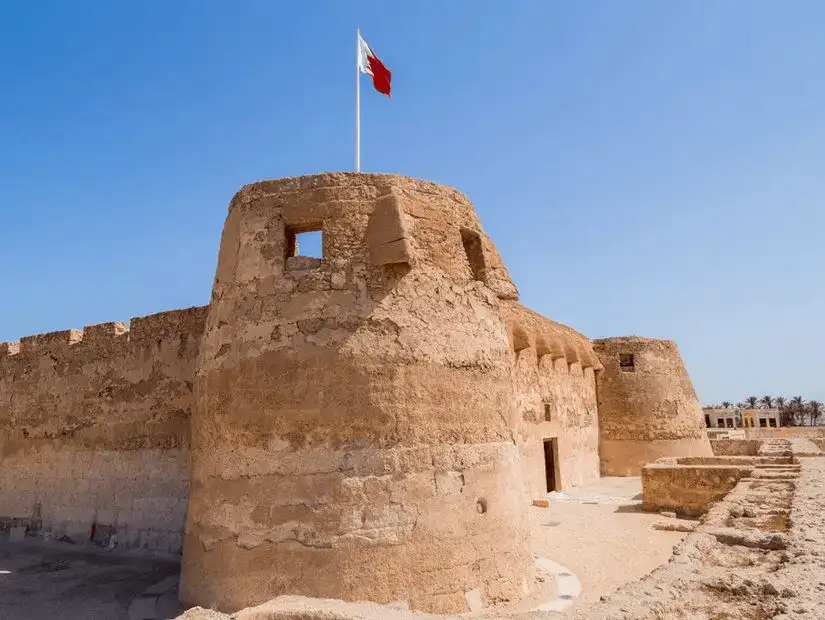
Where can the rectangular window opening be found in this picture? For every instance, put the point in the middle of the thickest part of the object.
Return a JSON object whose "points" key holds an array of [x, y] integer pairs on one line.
{"points": [[471, 241], [729, 422], [763, 423], [548, 412], [626, 362], [707, 420], [720, 422], [772, 422], [306, 241]]}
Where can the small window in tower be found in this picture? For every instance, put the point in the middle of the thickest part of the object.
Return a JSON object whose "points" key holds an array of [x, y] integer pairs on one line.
{"points": [[475, 255], [626, 362], [304, 247], [305, 241], [548, 412]]}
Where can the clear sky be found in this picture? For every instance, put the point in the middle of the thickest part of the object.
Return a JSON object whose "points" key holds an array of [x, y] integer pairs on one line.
{"points": [[649, 168]]}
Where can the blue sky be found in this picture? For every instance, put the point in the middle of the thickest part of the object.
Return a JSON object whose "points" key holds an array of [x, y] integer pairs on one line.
{"points": [[645, 168]]}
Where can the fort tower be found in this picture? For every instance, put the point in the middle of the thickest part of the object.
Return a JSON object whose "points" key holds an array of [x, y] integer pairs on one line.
{"points": [[647, 405], [353, 433]]}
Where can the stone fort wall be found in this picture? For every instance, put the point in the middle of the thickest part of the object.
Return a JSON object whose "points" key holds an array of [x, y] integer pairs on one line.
{"points": [[555, 393], [647, 405], [371, 422], [94, 431]]}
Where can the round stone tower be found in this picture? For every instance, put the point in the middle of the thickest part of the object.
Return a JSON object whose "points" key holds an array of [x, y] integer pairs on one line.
{"points": [[353, 435], [647, 405]]}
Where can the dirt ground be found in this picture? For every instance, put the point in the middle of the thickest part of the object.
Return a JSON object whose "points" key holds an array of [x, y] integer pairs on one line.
{"points": [[600, 533], [54, 582]]}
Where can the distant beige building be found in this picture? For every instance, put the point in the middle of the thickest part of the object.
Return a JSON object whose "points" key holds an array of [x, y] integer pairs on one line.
{"points": [[741, 418]]}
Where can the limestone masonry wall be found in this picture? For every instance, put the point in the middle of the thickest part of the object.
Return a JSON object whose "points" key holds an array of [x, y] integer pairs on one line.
{"points": [[735, 447], [354, 432], [368, 425], [555, 392], [94, 431], [647, 405], [688, 491]]}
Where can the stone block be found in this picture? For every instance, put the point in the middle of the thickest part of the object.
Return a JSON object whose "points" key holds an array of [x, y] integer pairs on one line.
{"points": [[449, 482], [541, 503]]}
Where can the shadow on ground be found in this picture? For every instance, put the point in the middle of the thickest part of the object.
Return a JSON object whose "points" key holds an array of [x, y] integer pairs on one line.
{"points": [[56, 581]]}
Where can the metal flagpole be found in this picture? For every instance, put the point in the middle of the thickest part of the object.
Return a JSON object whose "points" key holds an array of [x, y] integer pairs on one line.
{"points": [[358, 99]]}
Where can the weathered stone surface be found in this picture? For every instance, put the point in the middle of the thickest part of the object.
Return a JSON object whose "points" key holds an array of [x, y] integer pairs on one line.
{"points": [[647, 407], [367, 425], [314, 403], [94, 428]]}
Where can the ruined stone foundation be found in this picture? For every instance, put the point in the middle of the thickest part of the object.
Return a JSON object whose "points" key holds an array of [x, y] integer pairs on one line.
{"points": [[647, 405], [353, 430]]}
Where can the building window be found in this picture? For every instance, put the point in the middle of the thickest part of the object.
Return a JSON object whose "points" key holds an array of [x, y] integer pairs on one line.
{"points": [[763, 422], [772, 422], [729, 422], [305, 241], [548, 412], [471, 241], [720, 422], [626, 362], [707, 420]]}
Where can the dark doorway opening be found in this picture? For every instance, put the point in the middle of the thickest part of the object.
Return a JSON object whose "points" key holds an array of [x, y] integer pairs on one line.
{"points": [[550, 452], [707, 420]]}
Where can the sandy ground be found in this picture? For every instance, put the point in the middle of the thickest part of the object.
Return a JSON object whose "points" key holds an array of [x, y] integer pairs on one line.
{"points": [[599, 532], [63, 583]]}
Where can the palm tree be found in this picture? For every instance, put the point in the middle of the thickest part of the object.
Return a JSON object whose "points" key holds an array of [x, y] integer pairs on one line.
{"points": [[766, 402], [780, 402], [726, 404], [798, 409], [814, 411], [751, 402]]}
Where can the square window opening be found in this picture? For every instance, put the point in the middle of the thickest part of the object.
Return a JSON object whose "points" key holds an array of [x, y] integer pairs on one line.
{"points": [[626, 362], [307, 241], [772, 422]]}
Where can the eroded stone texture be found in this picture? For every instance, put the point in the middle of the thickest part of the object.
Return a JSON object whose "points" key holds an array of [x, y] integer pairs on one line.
{"points": [[354, 434], [647, 405], [369, 425], [555, 392], [94, 431]]}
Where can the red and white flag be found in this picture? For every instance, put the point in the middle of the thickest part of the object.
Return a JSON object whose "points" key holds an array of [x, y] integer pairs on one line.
{"points": [[368, 63]]}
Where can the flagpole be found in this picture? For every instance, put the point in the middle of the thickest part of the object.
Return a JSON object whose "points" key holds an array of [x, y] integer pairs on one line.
{"points": [[357, 99]]}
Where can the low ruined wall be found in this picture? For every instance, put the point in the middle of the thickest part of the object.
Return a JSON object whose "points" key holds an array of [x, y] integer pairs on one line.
{"points": [[785, 432], [688, 490], [735, 447], [94, 432]]}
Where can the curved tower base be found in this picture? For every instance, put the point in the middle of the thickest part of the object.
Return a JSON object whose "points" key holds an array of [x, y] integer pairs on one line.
{"points": [[353, 435], [647, 405]]}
